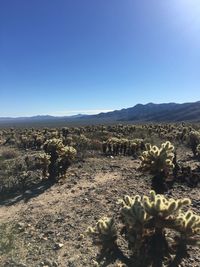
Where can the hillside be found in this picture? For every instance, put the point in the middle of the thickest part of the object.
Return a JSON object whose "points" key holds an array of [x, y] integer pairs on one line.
{"points": [[170, 112], [167, 112]]}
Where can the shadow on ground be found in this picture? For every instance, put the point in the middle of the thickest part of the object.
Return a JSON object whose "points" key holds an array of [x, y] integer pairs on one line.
{"points": [[13, 198]]}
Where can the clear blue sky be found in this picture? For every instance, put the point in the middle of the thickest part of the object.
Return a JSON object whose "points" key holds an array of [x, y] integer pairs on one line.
{"points": [[70, 56]]}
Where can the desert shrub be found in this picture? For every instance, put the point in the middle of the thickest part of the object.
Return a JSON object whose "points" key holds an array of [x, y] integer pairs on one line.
{"points": [[16, 176], [143, 223]]}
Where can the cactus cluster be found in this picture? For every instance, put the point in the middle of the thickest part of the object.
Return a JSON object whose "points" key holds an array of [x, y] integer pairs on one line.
{"points": [[188, 224], [144, 221], [160, 207], [122, 146], [155, 211], [60, 157], [158, 160]]}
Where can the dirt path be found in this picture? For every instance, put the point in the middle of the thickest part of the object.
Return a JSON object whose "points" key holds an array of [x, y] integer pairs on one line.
{"points": [[54, 195]]}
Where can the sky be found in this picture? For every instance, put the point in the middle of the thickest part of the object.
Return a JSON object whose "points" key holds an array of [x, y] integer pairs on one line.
{"points": [[86, 56]]}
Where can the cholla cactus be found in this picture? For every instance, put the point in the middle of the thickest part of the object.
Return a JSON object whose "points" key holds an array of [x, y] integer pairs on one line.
{"points": [[60, 157], [188, 224], [122, 146], [143, 225], [53, 146], [155, 211], [134, 217], [66, 156], [163, 211], [194, 141], [82, 143], [158, 160], [160, 207], [133, 211], [104, 233], [43, 161]]}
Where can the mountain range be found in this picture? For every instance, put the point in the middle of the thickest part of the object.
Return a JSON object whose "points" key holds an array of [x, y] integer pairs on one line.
{"points": [[166, 112]]}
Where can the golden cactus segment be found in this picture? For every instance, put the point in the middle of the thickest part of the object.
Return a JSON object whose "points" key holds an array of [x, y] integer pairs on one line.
{"points": [[158, 205], [188, 223], [105, 226], [104, 233], [90, 230], [133, 211]]}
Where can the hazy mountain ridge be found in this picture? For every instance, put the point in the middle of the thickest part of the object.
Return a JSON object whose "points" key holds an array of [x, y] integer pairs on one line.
{"points": [[166, 112]]}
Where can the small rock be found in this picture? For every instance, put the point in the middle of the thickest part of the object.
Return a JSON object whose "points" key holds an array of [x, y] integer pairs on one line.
{"points": [[58, 246]]}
